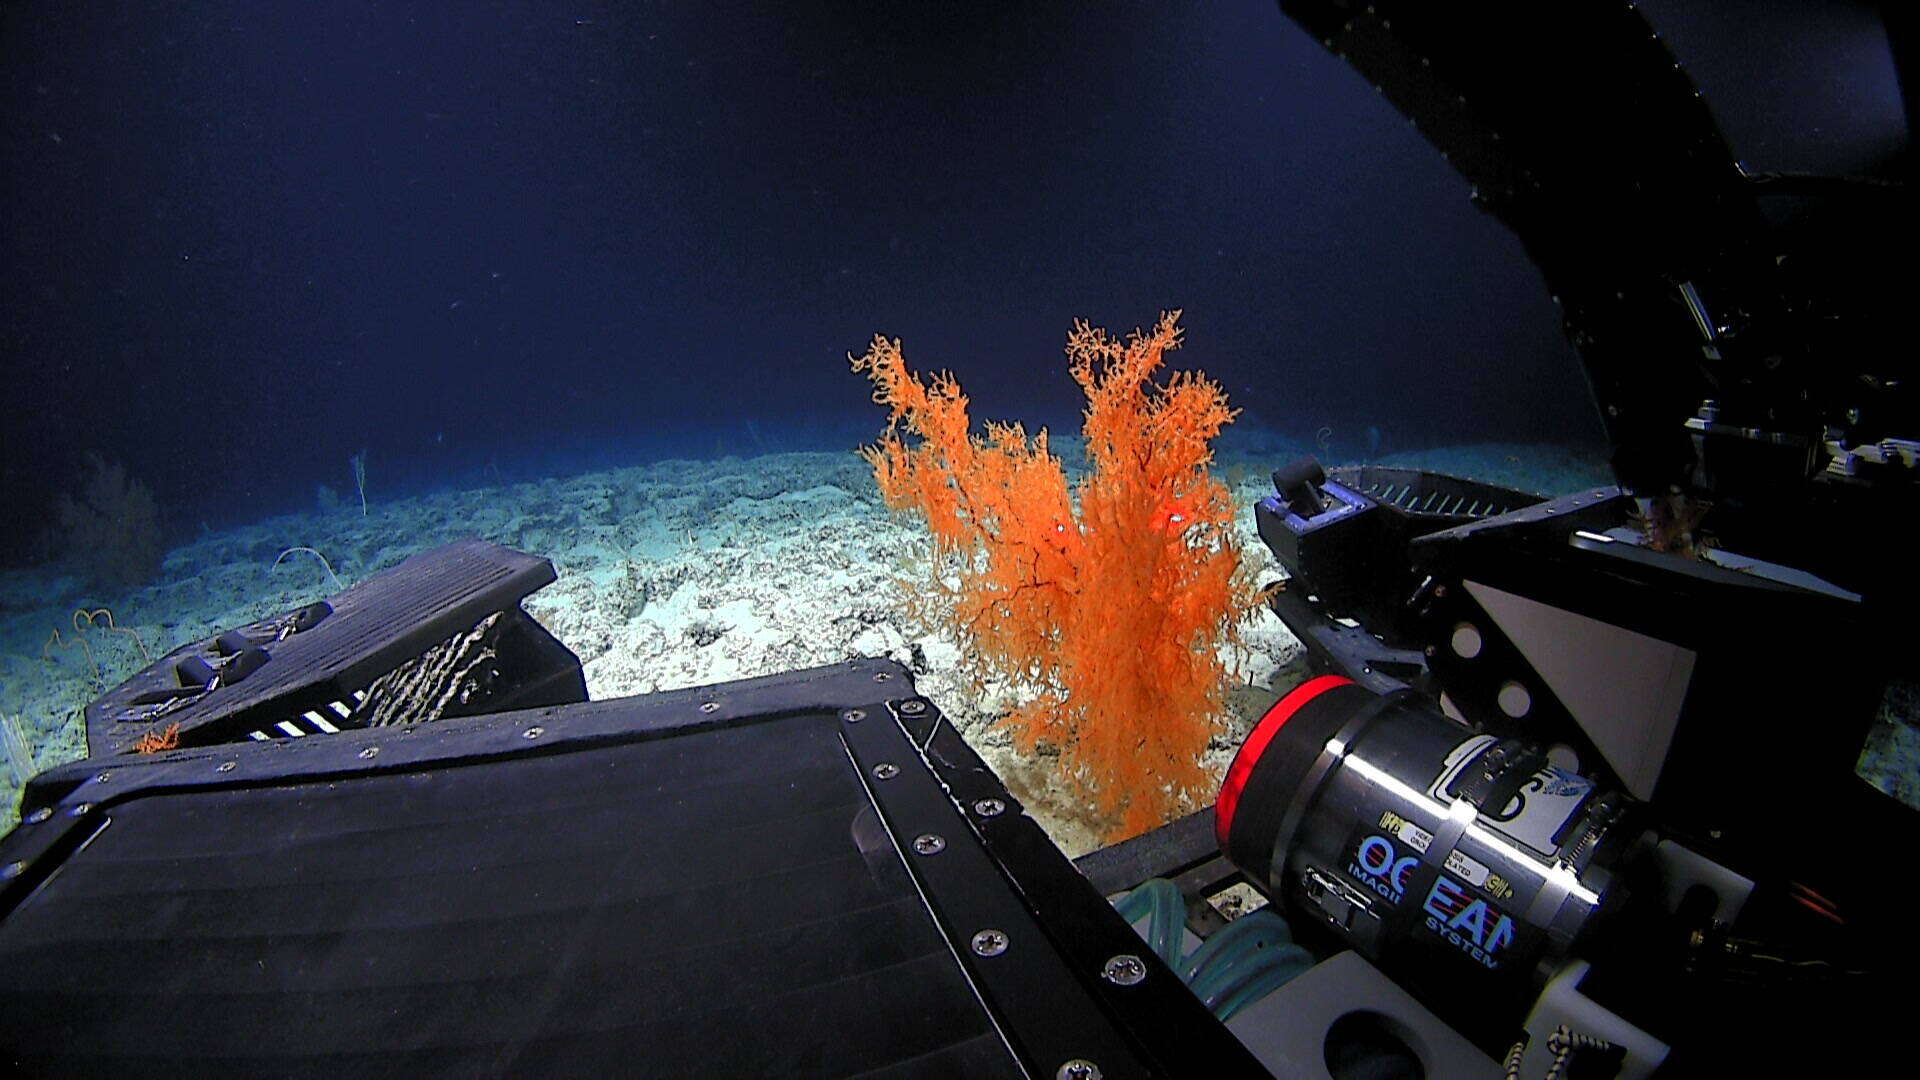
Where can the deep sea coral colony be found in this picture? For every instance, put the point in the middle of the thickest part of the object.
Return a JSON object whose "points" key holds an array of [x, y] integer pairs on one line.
{"points": [[1104, 606]]}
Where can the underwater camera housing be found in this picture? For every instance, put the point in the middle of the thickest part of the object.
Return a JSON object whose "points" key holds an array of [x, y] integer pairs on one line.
{"points": [[1548, 774], [1687, 664]]}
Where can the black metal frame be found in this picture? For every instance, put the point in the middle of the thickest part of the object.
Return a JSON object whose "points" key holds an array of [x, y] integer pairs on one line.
{"points": [[992, 868]]}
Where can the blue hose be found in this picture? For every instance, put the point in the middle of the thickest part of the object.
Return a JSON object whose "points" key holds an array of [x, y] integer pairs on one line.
{"points": [[1231, 952], [1160, 899], [1264, 923], [1241, 963]]}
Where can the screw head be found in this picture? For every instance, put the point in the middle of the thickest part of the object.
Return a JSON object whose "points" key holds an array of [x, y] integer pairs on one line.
{"points": [[103, 778], [886, 770], [881, 676], [913, 707], [81, 810], [1078, 1069], [709, 706], [989, 807], [226, 766], [929, 844], [989, 943], [39, 816], [12, 870], [854, 716], [533, 732], [370, 753], [1125, 969]]}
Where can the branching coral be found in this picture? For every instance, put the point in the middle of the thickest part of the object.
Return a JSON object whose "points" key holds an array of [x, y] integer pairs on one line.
{"points": [[1106, 612], [112, 530], [157, 740]]}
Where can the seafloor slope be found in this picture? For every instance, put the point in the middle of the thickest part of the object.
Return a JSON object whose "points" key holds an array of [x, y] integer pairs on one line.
{"points": [[672, 574]]}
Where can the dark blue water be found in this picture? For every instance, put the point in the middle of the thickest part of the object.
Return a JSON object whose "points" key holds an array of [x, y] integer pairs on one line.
{"points": [[246, 242]]}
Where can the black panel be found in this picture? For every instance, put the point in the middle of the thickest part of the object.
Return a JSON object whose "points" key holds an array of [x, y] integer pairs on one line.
{"points": [[565, 914], [709, 882]]}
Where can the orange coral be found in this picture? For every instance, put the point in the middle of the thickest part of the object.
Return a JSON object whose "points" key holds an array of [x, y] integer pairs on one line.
{"points": [[154, 742], [1107, 615]]}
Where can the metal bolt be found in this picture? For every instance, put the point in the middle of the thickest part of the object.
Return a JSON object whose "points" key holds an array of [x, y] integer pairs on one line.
{"points": [[854, 716], [12, 870], [533, 732], [989, 807], [103, 778], [1124, 970], [886, 770], [989, 943], [81, 809], [881, 676], [1078, 1069], [913, 708], [370, 753], [39, 816], [226, 766], [709, 706], [929, 844]]}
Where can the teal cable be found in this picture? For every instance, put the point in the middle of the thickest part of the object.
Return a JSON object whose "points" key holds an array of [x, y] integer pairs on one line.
{"points": [[1264, 924], [1241, 963], [1160, 900], [1247, 963]]}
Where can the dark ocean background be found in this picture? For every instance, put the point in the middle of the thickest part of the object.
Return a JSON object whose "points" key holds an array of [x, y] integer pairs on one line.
{"points": [[245, 242]]}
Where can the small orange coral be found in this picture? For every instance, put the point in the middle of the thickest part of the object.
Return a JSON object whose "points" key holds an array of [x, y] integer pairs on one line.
{"points": [[1108, 614], [155, 741]]}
